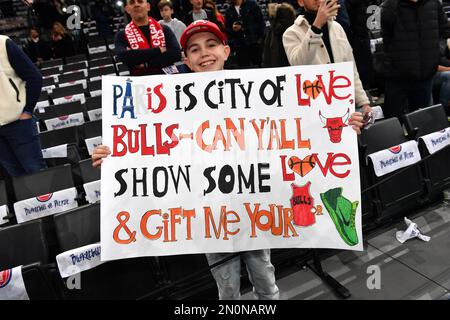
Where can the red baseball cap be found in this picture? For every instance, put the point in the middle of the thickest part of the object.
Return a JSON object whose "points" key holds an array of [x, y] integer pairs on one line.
{"points": [[201, 26]]}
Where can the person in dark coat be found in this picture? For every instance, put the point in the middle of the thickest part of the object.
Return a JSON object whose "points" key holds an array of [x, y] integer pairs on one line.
{"points": [[274, 54], [412, 30], [245, 28], [37, 49], [62, 42], [360, 40]]}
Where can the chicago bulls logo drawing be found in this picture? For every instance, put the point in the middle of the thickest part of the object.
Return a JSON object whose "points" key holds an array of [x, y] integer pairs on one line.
{"points": [[335, 125]]}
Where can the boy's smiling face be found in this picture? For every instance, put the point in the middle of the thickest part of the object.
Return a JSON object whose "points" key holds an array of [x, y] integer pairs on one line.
{"points": [[205, 52]]}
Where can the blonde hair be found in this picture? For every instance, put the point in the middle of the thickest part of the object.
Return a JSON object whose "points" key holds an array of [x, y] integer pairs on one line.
{"points": [[58, 28]]}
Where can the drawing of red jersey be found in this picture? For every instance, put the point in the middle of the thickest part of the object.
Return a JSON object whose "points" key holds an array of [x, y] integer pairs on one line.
{"points": [[302, 204]]}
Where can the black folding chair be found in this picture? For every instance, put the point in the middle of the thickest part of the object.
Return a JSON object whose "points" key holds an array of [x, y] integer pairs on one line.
{"points": [[119, 279], [68, 94], [51, 64], [402, 191], [436, 169]]}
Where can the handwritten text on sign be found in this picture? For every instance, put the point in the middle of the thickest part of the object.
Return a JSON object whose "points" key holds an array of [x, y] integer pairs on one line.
{"points": [[230, 161]]}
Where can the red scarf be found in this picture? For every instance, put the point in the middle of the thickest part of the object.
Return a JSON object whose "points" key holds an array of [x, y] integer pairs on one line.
{"points": [[137, 40]]}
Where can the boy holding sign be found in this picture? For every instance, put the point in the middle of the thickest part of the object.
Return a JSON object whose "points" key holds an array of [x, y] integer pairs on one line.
{"points": [[206, 50]]}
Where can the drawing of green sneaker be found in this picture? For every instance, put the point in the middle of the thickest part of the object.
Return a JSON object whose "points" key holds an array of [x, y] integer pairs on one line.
{"points": [[342, 211]]}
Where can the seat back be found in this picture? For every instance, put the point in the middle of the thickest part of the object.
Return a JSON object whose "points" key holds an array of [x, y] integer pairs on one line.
{"points": [[78, 227], [23, 244], [88, 172], [425, 121], [43, 182]]}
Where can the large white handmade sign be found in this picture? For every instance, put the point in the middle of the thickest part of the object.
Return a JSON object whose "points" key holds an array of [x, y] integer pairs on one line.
{"points": [[230, 161]]}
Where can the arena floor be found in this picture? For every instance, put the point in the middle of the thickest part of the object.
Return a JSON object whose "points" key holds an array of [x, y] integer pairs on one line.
{"points": [[414, 270]]}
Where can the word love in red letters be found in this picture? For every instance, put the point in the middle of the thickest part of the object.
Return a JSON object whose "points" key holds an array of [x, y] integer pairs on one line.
{"points": [[333, 161], [307, 89]]}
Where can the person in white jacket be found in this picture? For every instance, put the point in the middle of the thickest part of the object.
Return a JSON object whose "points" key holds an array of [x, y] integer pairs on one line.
{"points": [[315, 38]]}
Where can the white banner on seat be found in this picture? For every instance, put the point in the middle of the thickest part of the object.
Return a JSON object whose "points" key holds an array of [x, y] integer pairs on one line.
{"points": [[75, 119], [55, 152], [3, 213], [42, 104], [45, 205], [49, 89], [12, 286], [66, 99], [437, 140], [96, 93], [91, 143], [72, 83], [95, 114], [97, 49], [394, 158], [92, 190], [78, 260]]}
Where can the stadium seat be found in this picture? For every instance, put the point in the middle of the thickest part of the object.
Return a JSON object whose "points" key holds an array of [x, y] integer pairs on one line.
{"points": [[55, 117], [95, 88], [69, 94], [4, 219], [70, 79], [75, 59], [436, 169], [69, 136], [23, 244], [92, 129], [99, 55], [88, 172], [50, 72], [122, 70], [403, 190], [48, 84], [43, 182], [78, 66], [38, 282], [51, 64], [96, 74], [119, 279], [43, 100], [103, 62], [94, 108]]}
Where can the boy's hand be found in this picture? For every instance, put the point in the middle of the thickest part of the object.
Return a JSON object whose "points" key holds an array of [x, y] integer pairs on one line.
{"points": [[356, 121], [327, 10], [98, 154]]}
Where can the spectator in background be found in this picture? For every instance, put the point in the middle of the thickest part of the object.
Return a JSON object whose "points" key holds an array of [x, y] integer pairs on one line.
{"points": [[411, 32], [103, 13], [211, 5], [38, 50], [441, 80], [166, 11], [245, 28], [281, 18], [62, 42], [359, 39], [315, 38], [20, 87], [199, 13], [144, 51]]}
